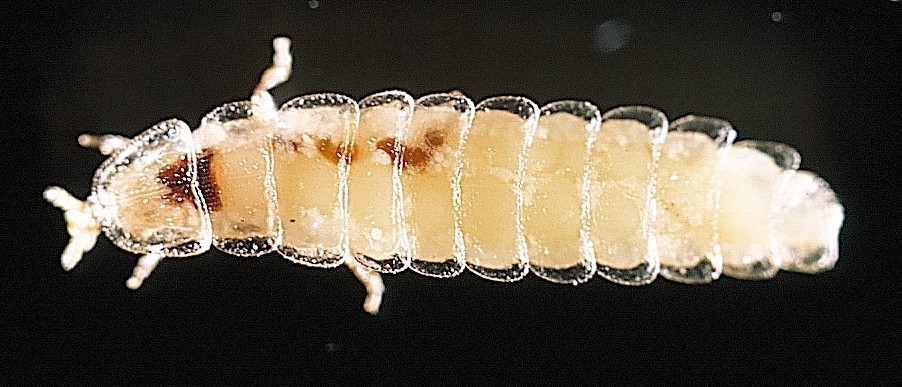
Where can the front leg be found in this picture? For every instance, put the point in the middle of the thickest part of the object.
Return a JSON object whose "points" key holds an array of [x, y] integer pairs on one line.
{"points": [[83, 228], [106, 144]]}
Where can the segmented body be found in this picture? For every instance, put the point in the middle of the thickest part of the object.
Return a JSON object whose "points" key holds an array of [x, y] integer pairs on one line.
{"points": [[440, 184]]}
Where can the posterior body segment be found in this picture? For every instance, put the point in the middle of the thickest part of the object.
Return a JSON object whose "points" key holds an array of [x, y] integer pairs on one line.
{"points": [[440, 183]]}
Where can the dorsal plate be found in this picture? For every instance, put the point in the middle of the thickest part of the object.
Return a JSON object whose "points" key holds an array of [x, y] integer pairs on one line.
{"points": [[146, 196]]}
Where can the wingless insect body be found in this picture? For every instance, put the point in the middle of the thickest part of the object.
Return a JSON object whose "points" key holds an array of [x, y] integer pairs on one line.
{"points": [[439, 184]]}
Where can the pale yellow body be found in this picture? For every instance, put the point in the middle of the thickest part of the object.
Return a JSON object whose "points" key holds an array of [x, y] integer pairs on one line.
{"points": [[377, 234], [310, 181], [432, 216], [623, 163], [438, 185], [749, 209], [555, 214], [489, 198], [686, 196], [239, 153]]}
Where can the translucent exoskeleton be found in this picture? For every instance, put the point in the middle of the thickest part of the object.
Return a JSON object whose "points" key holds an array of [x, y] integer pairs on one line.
{"points": [[625, 161], [439, 184], [755, 175], [234, 153], [310, 168], [375, 202], [806, 234], [146, 198], [558, 180], [430, 180], [687, 197], [491, 181]]}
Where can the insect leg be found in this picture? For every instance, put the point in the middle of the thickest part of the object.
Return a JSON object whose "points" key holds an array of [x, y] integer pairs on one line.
{"points": [[145, 265], [275, 74], [83, 228], [106, 144], [371, 281]]}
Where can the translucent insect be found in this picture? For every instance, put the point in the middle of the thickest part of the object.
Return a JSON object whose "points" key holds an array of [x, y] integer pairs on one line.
{"points": [[439, 184]]}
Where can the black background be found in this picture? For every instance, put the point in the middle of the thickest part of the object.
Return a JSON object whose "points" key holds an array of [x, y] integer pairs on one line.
{"points": [[823, 78]]}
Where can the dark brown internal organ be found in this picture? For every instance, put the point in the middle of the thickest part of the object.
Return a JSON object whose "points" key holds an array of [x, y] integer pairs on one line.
{"points": [[412, 156], [207, 184], [336, 152], [325, 146], [177, 178]]}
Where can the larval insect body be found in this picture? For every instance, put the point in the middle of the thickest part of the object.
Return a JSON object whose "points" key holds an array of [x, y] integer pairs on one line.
{"points": [[439, 184]]}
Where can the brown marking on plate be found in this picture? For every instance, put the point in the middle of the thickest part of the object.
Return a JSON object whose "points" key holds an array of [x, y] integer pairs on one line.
{"points": [[390, 146], [325, 146], [177, 177], [413, 156], [333, 152], [284, 144], [209, 189], [435, 138]]}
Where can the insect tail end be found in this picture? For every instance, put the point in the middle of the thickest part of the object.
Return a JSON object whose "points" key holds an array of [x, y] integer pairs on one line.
{"points": [[83, 228]]}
